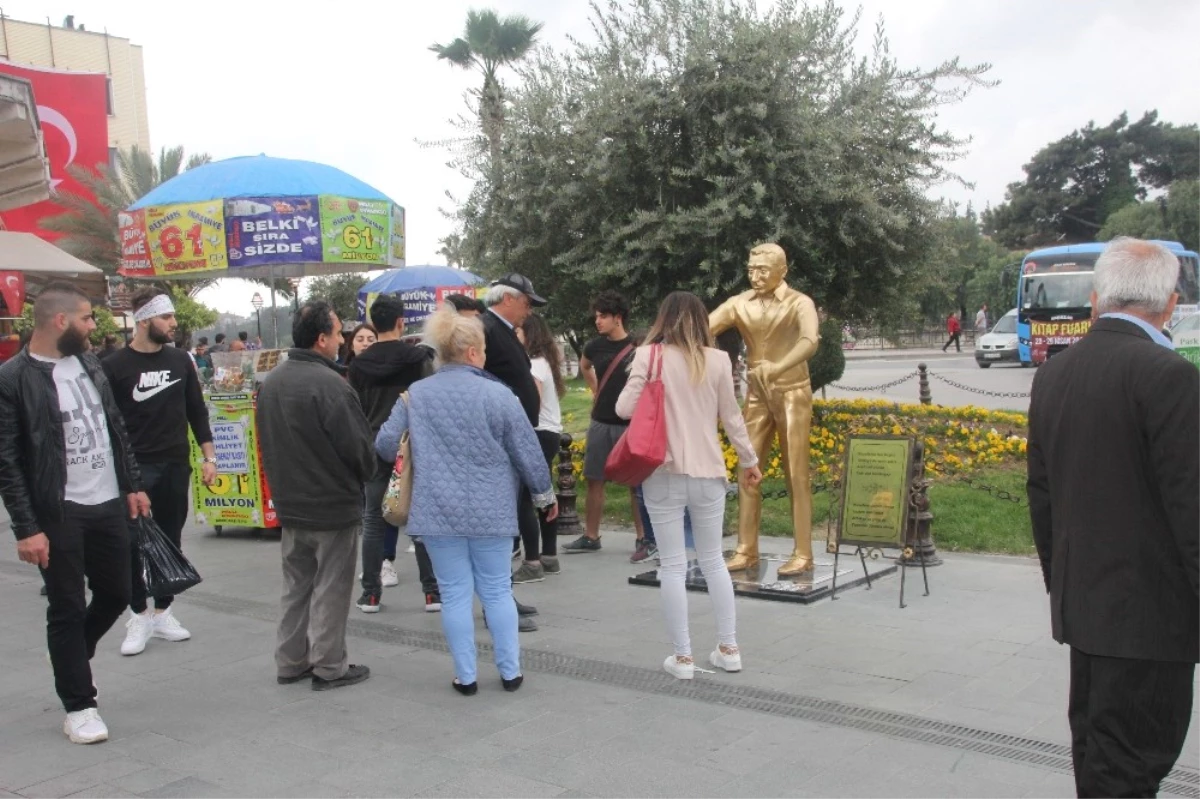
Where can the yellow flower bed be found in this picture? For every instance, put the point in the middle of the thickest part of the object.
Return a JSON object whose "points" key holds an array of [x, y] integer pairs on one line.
{"points": [[962, 439]]}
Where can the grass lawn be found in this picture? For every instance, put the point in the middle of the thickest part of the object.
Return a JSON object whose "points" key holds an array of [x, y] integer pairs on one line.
{"points": [[965, 518]]}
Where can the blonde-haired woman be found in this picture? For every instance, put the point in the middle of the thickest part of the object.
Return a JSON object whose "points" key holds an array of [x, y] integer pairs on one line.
{"points": [[698, 387], [471, 446]]}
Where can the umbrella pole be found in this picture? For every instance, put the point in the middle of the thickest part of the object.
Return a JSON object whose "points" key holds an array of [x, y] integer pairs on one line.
{"points": [[274, 309]]}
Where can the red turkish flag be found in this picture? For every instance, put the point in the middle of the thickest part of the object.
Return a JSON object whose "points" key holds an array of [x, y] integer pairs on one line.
{"points": [[73, 110]]}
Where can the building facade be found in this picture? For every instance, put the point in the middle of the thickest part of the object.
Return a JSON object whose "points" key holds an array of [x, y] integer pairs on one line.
{"points": [[70, 47]]}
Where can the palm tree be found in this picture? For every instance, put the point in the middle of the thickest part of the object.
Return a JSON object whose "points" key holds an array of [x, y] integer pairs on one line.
{"points": [[487, 44], [89, 224]]}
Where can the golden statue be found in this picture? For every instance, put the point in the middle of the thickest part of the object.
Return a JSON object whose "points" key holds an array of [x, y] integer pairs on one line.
{"points": [[779, 327]]}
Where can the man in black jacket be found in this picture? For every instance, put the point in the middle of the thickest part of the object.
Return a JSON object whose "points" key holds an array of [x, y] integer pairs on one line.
{"points": [[1113, 474], [380, 375], [318, 452], [69, 481], [509, 302]]}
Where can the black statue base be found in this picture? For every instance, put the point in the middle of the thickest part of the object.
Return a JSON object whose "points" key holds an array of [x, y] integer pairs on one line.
{"points": [[763, 582]]}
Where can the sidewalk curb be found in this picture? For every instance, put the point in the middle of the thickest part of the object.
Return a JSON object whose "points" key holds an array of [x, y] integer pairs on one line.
{"points": [[902, 355]]}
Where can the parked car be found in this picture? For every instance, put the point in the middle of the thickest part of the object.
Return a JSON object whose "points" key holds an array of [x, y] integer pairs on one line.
{"points": [[1186, 335], [1000, 344]]}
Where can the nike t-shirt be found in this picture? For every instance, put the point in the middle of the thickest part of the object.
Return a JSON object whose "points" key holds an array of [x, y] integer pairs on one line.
{"points": [[159, 396], [91, 470]]}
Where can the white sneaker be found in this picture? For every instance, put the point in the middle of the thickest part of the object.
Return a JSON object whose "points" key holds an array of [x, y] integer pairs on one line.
{"points": [[85, 727], [411, 548], [388, 576], [681, 671], [726, 662], [167, 627], [140, 627]]}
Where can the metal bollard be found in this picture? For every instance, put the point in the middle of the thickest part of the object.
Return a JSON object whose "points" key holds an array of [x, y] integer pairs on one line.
{"points": [[923, 383], [568, 517], [918, 539]]}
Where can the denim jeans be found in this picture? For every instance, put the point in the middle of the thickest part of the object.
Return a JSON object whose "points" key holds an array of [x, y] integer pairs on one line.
{"points": [[391, 537], [374, 528], [648, 526], [668, 498], [465, 567]]}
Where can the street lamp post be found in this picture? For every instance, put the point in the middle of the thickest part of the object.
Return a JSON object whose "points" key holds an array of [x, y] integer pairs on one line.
{"points": [[257, 302]]}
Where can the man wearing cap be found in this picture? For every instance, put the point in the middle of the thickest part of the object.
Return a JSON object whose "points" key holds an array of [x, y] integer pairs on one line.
{"points": [[158, 391], [509, 302]]}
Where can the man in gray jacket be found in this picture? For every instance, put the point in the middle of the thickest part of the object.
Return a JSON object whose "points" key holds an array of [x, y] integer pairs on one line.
{"points": [[317, 449]]}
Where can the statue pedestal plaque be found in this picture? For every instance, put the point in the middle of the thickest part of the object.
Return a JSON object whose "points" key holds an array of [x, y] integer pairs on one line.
{"points": [[762, 582]]}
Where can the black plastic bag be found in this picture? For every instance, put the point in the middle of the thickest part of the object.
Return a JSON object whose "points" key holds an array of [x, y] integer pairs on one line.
{"points": [[165, 571]]}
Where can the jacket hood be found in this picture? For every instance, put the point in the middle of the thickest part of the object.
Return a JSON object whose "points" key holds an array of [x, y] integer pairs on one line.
{"points": [[385, 360]]}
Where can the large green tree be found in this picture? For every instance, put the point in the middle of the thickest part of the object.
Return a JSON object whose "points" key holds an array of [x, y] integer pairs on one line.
{"points": [[1174, 217], [1073, 185], [340, 291], [654, 158]]}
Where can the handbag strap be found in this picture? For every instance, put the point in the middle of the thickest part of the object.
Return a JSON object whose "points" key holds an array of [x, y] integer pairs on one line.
{"points": [[612, 367]]}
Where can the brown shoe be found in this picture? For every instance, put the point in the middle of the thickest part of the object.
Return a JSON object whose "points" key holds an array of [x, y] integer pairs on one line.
{"points": [[354, 674]]}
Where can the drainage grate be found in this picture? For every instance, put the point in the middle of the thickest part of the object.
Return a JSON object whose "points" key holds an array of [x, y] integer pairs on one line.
{"points": [[1183, 781]]}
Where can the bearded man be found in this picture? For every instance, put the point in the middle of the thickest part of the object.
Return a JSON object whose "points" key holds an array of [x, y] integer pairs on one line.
{"points": [[158, 391], [69, 478]]}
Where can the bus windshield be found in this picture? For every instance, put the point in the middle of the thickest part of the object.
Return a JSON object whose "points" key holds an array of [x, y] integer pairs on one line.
{"points": [[1057, 290]]}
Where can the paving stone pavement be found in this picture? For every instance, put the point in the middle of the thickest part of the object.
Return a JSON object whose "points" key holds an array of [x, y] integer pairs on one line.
{"points": [[961, 694]]}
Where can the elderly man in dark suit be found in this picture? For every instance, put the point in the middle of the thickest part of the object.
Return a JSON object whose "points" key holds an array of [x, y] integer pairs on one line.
{"points": [[1114, 492], [509, 302]]}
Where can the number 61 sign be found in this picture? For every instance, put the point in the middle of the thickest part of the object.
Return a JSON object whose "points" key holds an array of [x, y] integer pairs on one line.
{"points": [[186, 237]]}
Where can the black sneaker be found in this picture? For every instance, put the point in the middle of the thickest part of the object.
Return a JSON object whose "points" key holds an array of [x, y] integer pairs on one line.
{"points": [[433, 603], [525, 610], [582, 544], [526, 624], [368, 602], [354, 674]]}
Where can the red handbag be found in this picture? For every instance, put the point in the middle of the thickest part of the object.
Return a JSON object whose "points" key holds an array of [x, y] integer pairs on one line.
{"points": [[642, 448]]}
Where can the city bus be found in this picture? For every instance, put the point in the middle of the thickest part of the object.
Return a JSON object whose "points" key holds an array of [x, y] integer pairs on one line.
{"points": [[1054, 308]]}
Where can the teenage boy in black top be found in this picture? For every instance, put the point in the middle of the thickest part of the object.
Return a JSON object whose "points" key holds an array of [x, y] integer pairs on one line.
{"points": [[380, 375], [597, 366], [158, 391]]}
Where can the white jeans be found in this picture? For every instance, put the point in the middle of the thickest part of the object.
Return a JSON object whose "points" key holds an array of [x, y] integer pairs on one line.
{"points": [[666, 496]]}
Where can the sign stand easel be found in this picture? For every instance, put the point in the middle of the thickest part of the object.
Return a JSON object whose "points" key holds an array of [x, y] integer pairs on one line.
{"points": [[877, 501]]}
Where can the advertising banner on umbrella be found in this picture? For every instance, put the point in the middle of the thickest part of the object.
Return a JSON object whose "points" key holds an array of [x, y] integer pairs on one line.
{"points": [[233, 234], [266, 230], [356, 231], [186, 238]]}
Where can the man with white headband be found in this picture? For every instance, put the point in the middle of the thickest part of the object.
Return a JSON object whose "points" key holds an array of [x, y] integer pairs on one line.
{"points": [[158, 391]]}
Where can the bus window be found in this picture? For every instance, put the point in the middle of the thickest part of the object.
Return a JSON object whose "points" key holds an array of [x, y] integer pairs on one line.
{"points": [[1188, 287]]}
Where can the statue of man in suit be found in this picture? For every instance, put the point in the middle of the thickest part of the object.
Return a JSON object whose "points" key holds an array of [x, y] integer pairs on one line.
{"points": [[779, 326]]}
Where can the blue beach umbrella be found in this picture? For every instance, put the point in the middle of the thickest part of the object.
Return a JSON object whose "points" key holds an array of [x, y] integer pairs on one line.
{"points": [[258, 176], [261, 217], [421, 288]]}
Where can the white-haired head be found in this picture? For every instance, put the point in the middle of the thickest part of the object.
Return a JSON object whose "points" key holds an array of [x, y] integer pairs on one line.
{"points": [[1135, 276], [496, 294]]}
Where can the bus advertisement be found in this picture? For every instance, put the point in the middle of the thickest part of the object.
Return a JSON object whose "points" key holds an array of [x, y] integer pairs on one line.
{"points": [[1054, 305]]}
